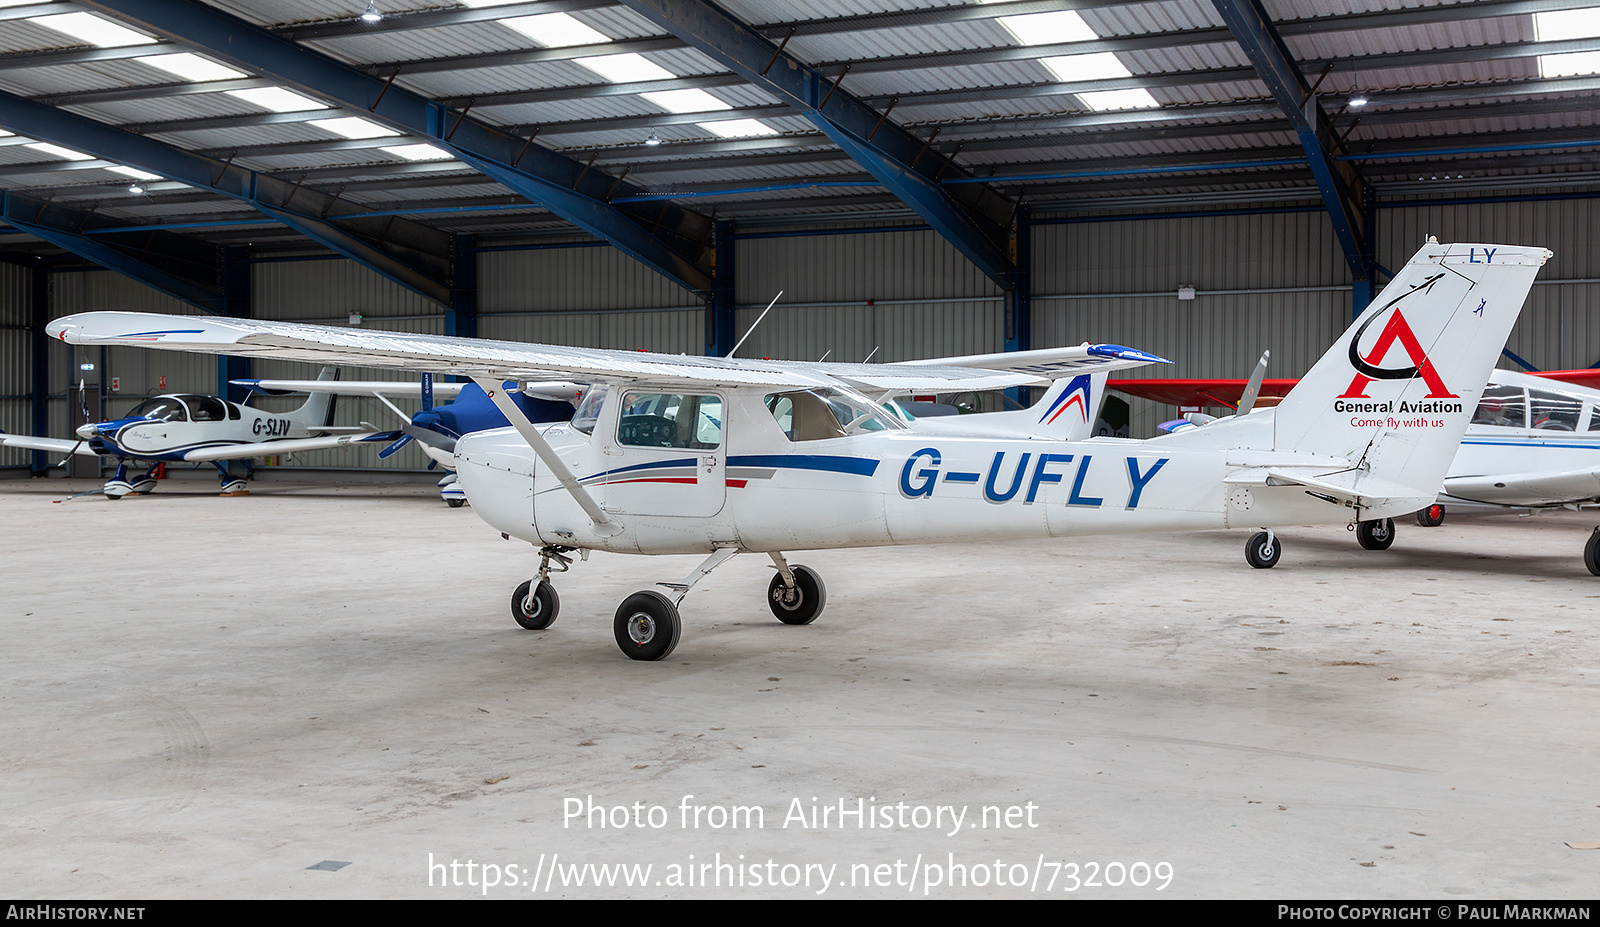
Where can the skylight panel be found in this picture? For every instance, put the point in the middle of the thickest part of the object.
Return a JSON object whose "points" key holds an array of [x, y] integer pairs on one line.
{"points": [[134, 172], [418, 152], [1102, 66], [87, 27], [479, 4], [1103, 100], [685, 101], [191, 67], [65, 154], [1569, 65], [622, 69], [738, 128], [277, 99], [1048, 28], [555, 30], [1567, 24], [354, 127]]}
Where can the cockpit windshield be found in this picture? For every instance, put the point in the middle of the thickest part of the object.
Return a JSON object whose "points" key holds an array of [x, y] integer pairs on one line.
{"points": [[588, 411], [818, 414], [162, 409]]}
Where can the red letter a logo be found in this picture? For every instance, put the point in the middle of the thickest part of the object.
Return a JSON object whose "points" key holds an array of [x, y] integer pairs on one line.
{"points": [[1367, 369]]}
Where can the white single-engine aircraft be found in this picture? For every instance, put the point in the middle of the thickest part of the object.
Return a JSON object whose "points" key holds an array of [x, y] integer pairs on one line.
{"points": [[191, 428], [717, 456]]}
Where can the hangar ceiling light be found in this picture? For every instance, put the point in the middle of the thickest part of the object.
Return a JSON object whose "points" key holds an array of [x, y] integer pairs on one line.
{"points": [[1104, 100], [354, 127], [1048, 28], [555, 30], [1101, 66], [277, 99], [90, 28], [65, 154], [685, 101], [133, 172], [738, 128], [418, 152], [624, 69], [191, 67]]}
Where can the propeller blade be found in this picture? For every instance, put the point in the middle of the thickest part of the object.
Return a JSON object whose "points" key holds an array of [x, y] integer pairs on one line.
{"points": [[391, 449]]}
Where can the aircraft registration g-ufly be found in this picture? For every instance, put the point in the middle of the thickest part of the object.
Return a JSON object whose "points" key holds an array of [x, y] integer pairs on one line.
{"points": [[718, 456], [193, 428]]}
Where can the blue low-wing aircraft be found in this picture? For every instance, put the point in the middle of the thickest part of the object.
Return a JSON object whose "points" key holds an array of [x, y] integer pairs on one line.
{"points": [[720, 456], [192, 428]]}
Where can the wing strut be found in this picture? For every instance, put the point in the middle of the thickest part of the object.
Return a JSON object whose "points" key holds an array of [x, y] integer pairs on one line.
{"points": [[604, 525]]}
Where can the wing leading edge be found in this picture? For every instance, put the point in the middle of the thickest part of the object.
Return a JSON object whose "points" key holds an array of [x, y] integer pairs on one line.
{"points": [[515, 360]]}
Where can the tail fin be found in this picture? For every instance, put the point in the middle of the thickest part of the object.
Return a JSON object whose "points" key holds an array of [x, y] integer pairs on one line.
{"points": [[318, 409], [1069, 408], [1394, 394]]}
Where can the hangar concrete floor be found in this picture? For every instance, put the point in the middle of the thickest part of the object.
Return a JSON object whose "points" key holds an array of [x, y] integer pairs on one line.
{"points": [[206, 697]]}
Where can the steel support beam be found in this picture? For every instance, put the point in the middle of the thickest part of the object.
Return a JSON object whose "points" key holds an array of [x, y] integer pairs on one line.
{"points": [[39, 346], [235, 276], [175, 265], [665, 237], [412, 255], [973, 218], [1339, 184], [1019, 299], [721, 324], [461, 319]]}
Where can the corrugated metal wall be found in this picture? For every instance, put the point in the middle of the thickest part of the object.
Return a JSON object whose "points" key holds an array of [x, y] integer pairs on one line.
{"points": [[1560, 325], [16, 359], [908, 294]]}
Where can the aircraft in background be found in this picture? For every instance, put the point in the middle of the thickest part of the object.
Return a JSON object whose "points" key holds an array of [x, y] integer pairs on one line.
{"points": [[437, 427], [189, 428], [1533, 445], [718, 456]]}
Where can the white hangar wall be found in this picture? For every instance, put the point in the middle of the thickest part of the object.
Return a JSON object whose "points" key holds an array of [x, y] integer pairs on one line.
{"points": [[1265, 280]]}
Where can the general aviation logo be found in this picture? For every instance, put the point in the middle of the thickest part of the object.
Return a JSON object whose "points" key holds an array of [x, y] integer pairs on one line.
{"points": [[1397, 329]]}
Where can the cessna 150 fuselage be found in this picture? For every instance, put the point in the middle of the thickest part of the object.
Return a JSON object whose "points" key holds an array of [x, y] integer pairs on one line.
{"points": [[717, 456]]}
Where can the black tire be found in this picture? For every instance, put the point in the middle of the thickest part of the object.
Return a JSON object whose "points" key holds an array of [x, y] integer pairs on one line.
{"points": [[1377, 534], [1431, 517], [537, 611], [647, 626], [1262, 551], [1591, 552], [801, 605], [455, 503]]}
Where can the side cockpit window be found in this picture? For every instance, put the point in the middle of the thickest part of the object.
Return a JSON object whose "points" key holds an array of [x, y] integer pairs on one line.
{"points": [[1549, 411], [1504, 406], [678, 420]]}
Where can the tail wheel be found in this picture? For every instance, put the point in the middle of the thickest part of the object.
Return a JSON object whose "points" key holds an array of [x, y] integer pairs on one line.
{"points": [[803, 603], [1262, 551], [535, 608], [647, 626], [1431, 517], [1377, 534]]}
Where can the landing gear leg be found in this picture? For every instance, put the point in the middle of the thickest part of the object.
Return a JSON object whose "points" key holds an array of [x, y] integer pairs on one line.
{"points": [[1263, 550], [647, 626], [535, 604], [118, 486]]}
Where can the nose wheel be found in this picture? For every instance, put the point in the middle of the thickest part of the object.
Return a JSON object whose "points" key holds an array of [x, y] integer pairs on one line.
{"points": [[800, 603], [1263, 550], [535, 607]]}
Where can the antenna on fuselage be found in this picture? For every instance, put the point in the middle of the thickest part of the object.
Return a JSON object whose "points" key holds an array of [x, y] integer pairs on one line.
{"points": [[757, 322]]}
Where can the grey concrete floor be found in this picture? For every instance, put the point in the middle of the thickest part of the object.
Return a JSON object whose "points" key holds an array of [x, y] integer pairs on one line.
{"points": [[203, 697]]}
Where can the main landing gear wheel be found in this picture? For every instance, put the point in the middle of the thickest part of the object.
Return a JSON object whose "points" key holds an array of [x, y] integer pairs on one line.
{"points": [[1431, 517], [455, 503], [535, 609], [803, 603], [1377, 534], [647, 626], [1591, 552], [1262, 550]]}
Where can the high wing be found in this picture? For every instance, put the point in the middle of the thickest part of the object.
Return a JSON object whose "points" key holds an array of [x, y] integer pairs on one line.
{"points": [[53, 445], [514, 360], [288, 446], [1195, 392]]}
